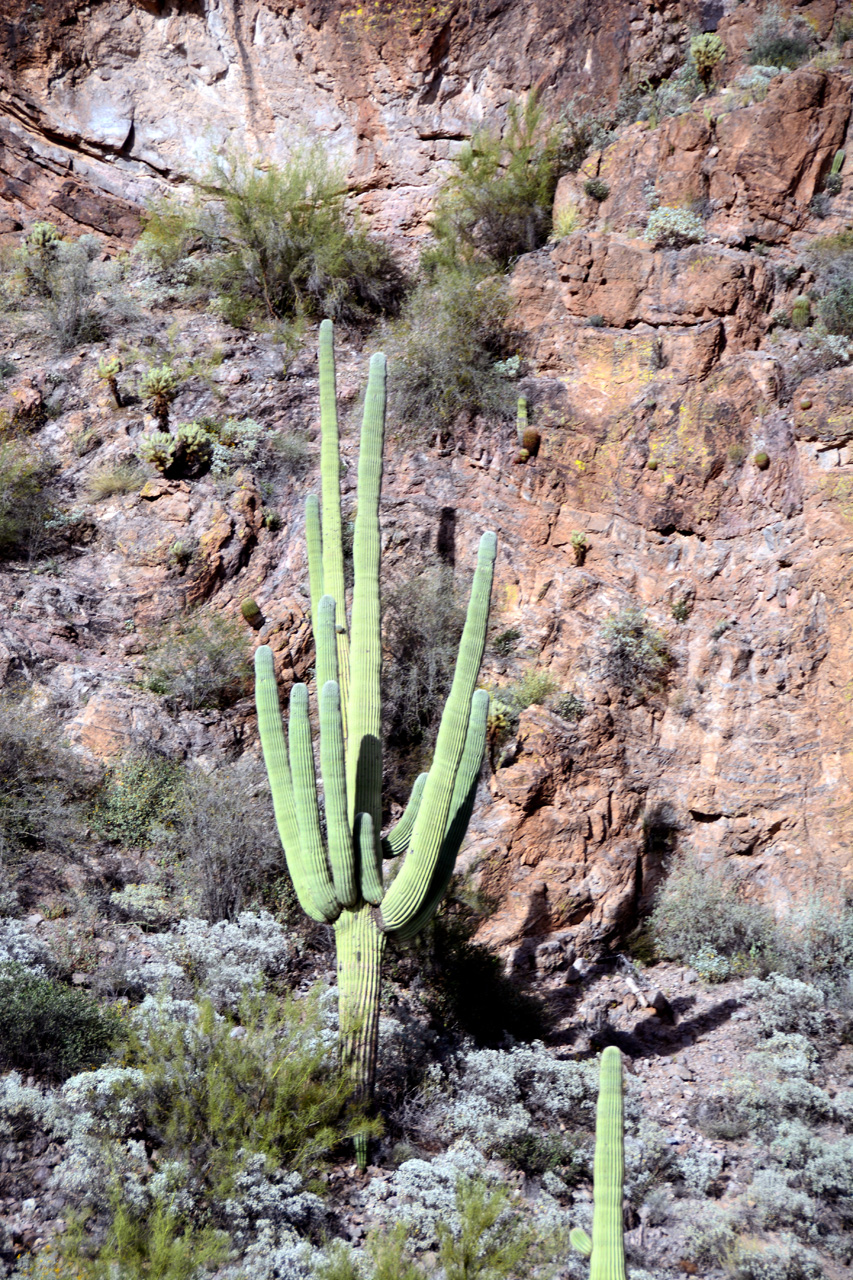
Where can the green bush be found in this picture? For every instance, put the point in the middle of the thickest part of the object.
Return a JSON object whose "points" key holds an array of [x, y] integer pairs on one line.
{"points": [[673, 228], [531, 690], [442, 353], [702, 915], [777, 42], [48, 1029], [41, 783], [635, 655], [507, 642], [201, 663], [224, 837], [71, 292], [278, 243], [597, 189], [275, 1089], [568, 706], [25, 505], [836, 308], [498, 203], [423, 623], [139, 794]]}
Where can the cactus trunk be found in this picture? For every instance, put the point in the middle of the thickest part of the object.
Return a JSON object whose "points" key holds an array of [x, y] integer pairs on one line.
{"points": [[339, 879], [360, 947]]}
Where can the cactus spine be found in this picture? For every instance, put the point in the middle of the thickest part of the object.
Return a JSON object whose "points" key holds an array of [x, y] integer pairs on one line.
{"points": [[340, 881], [606, 1249]]}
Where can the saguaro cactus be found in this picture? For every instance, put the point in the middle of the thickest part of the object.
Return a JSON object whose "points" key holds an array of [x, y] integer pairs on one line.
{"points": [[340, 882], [606, 1249]]}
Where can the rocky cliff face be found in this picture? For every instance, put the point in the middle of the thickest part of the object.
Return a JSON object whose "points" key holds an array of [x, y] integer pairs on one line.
{"points": [[650, 422], [103, 105]]}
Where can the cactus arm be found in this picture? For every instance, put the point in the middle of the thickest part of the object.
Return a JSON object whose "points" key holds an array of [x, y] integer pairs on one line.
{"points": [[461, 808], [314, 544], [333, 767], [325, 641], [364, 748], [406, 896], [307, 814], [580, 1241], [397, 839], [330, 473], [281, 784], [371, 874]]}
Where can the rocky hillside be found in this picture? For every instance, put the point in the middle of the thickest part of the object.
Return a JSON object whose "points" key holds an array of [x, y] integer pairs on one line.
{"points": [[657, 378]]}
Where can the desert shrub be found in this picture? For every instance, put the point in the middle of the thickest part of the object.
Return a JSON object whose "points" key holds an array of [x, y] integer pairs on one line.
{"points": [[41, 783], [671, 228], [506, 642], [532, 690], [279, 243], [567, 218], [699, 909], [782, 1259], [219, 961], [139, 795], [276, 1089], [788, 1005], [654, 102], [815, 944], [836, 309], [108, 481], [597, 189], [568, 706], [24, 1110], [48, 1029], [235, 1113], [707, 51], [538, 1153], [495, 1097], [225, 839], [69, 294], [26, 508], [442, 353], [582, 131], [777, 42], [635, 655], [22, 949], [200, 663], [423, 623], [497, 204]]}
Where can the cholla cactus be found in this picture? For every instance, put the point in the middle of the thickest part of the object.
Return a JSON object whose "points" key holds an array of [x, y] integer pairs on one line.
{"points": [[186, 453], [158, 448], [160, 386], [707, 51], [41, 247], [606, 1249], [108, 370], [340, 881]]}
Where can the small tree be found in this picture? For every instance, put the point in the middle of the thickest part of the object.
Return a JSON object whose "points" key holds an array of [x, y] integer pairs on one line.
{"points": [[340, 881]]}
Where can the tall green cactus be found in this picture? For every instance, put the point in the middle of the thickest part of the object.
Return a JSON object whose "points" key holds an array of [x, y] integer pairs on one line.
{"points": [[606, 1249], [340, 881]]}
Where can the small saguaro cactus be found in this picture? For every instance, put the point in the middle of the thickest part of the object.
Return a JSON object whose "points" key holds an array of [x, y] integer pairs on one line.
{"points": [[340, 881], [801, 312], [521, 421], [606, 1249], [833, 178]]}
